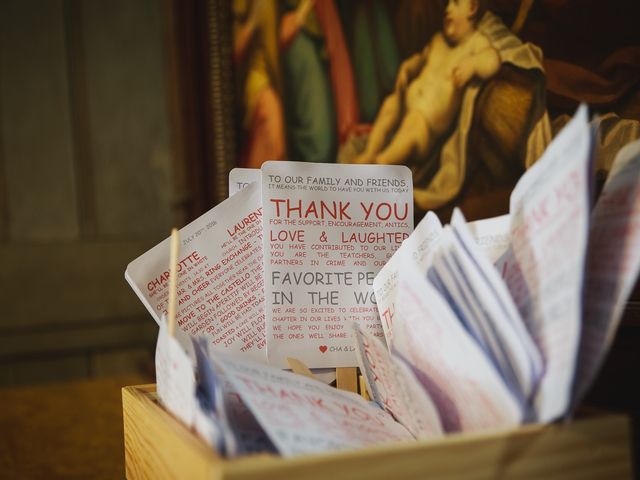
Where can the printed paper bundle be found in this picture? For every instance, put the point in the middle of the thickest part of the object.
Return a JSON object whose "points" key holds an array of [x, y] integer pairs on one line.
{"points": [[456, 328]]}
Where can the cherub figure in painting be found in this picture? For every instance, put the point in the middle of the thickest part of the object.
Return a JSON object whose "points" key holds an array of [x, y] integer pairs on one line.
{"points": [[429, 88]]}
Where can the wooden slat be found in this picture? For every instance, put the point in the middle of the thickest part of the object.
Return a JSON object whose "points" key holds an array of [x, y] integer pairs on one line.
{"points": [[363, 388], [300, 368], [347, 379], [594, 449]]}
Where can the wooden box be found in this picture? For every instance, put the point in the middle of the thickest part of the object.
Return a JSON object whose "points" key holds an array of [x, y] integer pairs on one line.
{"points": [[597, 446]]}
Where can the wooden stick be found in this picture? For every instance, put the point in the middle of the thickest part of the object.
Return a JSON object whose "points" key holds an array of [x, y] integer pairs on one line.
{"points": [[173, 280], [300, 368], [347, 379]]}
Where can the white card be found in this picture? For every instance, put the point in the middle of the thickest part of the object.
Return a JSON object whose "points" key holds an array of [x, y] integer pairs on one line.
{"points": [[206, 420], [220, 280], [392, 385], [175, 378], [244, 434], [463, 384], [492, 235], [613, 263], [418, 248], [240, 178], [328, 229], [502, 330], [239, 431], [304, 416], [550, 218]]}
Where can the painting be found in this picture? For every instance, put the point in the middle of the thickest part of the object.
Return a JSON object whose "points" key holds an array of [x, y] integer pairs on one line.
{"points": [[466, 93]]}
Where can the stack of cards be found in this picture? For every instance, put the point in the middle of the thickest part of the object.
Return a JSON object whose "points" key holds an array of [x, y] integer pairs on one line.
{"points": [[466, 327]]}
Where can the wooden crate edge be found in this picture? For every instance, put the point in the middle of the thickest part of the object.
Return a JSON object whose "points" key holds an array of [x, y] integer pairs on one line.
{"points": [[157, 445], [594, 447]]}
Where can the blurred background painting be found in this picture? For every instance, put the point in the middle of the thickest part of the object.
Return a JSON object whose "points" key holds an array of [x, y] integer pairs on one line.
{"points": [[311, 78]]}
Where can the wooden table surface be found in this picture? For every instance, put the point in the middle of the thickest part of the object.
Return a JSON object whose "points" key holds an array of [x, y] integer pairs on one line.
{"points": [[65, 430]]}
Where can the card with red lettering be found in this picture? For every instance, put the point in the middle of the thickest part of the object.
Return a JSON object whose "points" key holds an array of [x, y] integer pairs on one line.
{"points": [[418, 249], [220, 279], [463, 384], [328, 229], [549, 209], [304, 416], [393, 386], [613, 260], [237, 432], [476, 292]]}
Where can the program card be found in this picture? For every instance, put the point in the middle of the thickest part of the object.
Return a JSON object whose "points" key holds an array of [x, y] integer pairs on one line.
{"points": [[240, 178], [220, 281], [328, 229]]}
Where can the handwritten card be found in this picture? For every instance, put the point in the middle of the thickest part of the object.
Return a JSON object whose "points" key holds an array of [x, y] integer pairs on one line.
{"points": [[304, 416], [549, 226], [220, 280], [392, 385], [613, 263], [465, 387], [328, 229], [418, 248]]}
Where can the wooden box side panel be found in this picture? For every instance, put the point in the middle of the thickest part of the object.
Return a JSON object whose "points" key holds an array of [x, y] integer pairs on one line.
{"points": [[592, 448], [587, 449], [158, 446]]}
